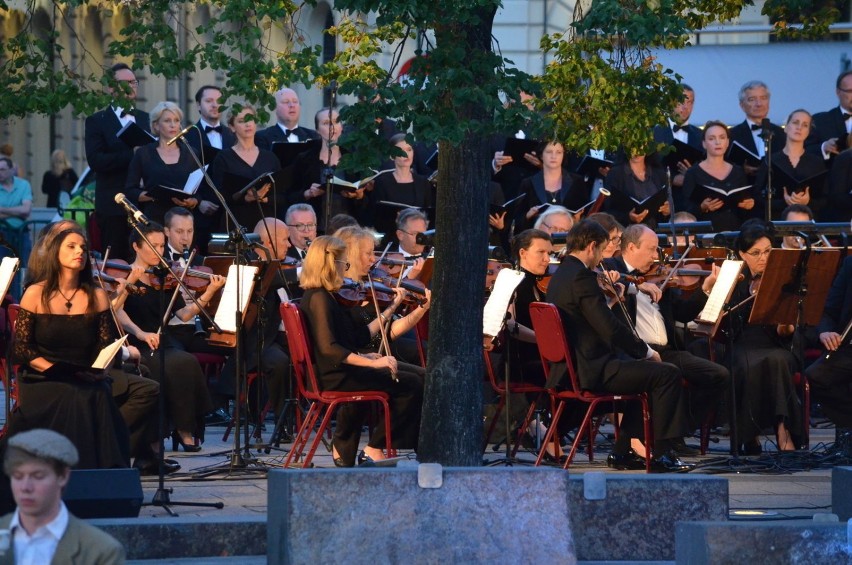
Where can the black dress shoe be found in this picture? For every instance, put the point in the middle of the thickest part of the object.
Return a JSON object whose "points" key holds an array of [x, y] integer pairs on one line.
{"points": [[364, 459], [217, 417], [680, 447], [751, 447], [669, 463], [150, 467], [629, 462]]}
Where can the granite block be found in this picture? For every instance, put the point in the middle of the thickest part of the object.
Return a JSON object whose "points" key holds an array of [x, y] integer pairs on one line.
{"points": [[164, 538], [841, 492], [477, 515], [636, 521], [733, 543]]}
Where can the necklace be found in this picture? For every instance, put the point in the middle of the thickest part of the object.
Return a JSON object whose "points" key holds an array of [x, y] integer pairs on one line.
{"points": [[68, 300]]}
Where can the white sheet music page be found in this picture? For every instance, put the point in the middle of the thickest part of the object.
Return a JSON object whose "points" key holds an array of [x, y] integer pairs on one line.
{"points": [[108, 353], [8, 268], [495, 309], [226, 313], [729, 274]]}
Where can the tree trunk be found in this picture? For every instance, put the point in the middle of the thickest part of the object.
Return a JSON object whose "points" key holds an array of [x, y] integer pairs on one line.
{"points": [[451, 430]]}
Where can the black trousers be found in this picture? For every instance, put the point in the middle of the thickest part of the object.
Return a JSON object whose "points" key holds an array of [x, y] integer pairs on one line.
{"points": [[136, 398], [707, 380], [115, 234], [830, 382]]}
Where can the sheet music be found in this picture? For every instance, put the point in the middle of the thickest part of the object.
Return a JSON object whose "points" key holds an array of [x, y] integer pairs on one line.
{"points": [[8, 268], [108, 353], [729, 274], [495, 309], [226, 312]]}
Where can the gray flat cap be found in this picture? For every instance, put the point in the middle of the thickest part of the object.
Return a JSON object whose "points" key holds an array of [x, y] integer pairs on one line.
{"points": [[46, 444]]}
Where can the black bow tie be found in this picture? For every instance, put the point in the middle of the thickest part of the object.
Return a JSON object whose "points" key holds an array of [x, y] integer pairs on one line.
{"points": [[677, 127], [846, 116], [124, 114], [289, 132], [217, 129], [176, 256], [756, 127]]}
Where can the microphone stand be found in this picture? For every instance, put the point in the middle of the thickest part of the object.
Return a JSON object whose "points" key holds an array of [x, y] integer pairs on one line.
{"points": [[241, 243], [328, 172], [670, 197], [767, 135]]}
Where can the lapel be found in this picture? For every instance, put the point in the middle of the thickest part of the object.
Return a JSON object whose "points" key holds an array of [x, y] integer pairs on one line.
{"points": [[7, 557], [69, 546]]}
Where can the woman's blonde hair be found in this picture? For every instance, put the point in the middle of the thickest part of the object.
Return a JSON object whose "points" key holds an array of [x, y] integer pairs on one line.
{"points": [[158, 110], [59, 162], [319, 269], [353, 237]]}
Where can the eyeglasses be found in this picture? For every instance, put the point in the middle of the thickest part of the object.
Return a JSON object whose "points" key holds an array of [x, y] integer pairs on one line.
{"points": [[303, 227], [345, 264], [616, 239], [133, 83], [757, 254]]}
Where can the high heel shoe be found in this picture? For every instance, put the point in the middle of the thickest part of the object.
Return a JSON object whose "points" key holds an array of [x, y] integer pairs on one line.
{"points": [[364, 459], [189, 448]]}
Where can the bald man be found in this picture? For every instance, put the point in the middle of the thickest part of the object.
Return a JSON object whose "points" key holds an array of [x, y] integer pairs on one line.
{"points": [[288, 110]]}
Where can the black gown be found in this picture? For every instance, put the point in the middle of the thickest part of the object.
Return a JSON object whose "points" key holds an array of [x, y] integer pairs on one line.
{"points": [[247, 213], [763, 369], [417, 193], [725, 218], [308, 169], [149, 169], [82, 411], [187, 397], [334, 335], [808, 166], [621, 179]]}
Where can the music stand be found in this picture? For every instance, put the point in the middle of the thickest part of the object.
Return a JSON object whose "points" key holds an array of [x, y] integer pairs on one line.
{"points": [[793, 291]]}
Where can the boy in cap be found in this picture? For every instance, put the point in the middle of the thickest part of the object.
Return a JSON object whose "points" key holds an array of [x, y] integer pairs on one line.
{"points": [[41, 530]]}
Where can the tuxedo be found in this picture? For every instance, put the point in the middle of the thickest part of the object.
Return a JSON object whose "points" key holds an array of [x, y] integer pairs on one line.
{"points": [[607, 354], [109, 157], [742, 134], [830, 379], [197, 139], [664, 134], [81, 544], [826, 125], [266, 137]]}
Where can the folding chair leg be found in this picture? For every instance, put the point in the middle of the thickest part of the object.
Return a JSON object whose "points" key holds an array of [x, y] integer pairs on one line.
{"points": [[554, 425], [497, 412]]}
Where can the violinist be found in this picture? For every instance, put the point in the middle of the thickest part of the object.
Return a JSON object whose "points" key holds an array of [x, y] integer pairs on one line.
{"points": [[795, 213], [531, 249], [763, 362], [336, 338], [556, 219], [187, 398], [302, 223], [600, 342], [409, 223], [614, 229], [653, 314]]}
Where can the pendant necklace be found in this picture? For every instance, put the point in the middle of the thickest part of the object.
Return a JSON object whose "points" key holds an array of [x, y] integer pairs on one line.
{"points": [[68, 299]]}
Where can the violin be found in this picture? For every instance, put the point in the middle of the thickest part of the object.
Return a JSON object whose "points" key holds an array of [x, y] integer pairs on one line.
{"points": [[353, 293], [107, 276], [415, 291], [394, 263], [686, 279], [543, 281]]}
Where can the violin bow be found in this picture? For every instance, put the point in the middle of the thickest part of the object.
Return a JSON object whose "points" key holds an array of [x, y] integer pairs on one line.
{"points": [[382, 330]]}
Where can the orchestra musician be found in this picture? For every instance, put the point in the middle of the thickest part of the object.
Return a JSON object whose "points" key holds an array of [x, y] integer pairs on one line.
{"points": [[653, 313], [160, 164], [63, 324], [409, 224], [614, 229], [555, 219], [597, 337], [336, 338], [187, 398], [795, 213]]}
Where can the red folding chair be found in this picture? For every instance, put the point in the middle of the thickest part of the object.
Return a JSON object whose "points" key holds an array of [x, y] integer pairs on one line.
{"points": [[322, 403], [499, 387], [547, 321]]}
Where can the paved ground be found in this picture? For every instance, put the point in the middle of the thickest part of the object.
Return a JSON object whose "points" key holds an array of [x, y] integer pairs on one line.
{"points": [[787, 486]]}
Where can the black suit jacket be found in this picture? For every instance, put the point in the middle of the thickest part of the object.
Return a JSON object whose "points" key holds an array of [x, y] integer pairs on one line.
{"points": [[664, 134], [196, 138], [838, 307], [109, 157], [825, 126], [593, 331], [266, 137], [741, 133]]}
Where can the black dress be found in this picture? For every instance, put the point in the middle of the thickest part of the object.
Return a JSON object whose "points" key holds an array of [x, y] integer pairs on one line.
{"points": [[763, 373], [573, 194], [808, 166], [187, 397], [417, 193], [308, 169], [248, 214], [621, 179], [53, 185], [335, 334], [82, 411], [725, 218], [148, 170]]}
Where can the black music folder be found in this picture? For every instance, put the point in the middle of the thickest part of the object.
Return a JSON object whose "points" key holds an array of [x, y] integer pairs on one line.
{"points": [[517, 148], [190, 187], [652, 203], [236, 185], [509, 206], [782, 179], [589, 166], [730, 196], [287, 152], [739, 155], [135, 136], [683, 152]]}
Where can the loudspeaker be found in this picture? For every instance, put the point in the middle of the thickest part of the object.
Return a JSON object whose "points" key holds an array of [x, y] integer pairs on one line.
{"points": [[104, 493]]}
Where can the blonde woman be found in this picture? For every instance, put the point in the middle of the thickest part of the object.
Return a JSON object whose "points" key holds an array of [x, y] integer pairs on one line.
{"points": [[60, 178]]}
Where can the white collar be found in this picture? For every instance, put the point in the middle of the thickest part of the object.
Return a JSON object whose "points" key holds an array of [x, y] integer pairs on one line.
{"points": [[56, 527]]}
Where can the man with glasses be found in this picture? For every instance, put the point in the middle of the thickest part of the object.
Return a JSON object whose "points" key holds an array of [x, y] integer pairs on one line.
{"points": [[288, 109], [830, 129], [109, 158], [409, 223], [302, 223]]}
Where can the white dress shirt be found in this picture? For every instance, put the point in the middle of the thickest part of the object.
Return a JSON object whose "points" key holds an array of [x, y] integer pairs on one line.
{"points": [[649, 321], [39, 548], [214, 137]]}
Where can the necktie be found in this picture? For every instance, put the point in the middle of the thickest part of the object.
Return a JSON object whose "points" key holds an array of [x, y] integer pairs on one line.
{"points": [[217, 129], [756, 127], [302, 253], [677, 127]]}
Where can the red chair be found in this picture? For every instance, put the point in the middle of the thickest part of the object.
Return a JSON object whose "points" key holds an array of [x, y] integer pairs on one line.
{"points": [[499, 387], [547, 321], [322, 403]]}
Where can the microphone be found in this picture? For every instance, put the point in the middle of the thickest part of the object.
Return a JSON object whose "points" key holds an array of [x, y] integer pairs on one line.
{"points": [[132, 210], [765, 128], [182, 133], [332, 86], [425, 238]]}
